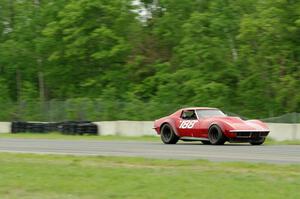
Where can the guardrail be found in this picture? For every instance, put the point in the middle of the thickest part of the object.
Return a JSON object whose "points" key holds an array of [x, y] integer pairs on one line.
{"points": [[279, 131], [5, 127], [283, 131]]}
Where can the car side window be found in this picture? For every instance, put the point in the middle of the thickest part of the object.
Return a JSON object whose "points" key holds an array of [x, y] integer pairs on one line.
{"points": [[188, 115]]}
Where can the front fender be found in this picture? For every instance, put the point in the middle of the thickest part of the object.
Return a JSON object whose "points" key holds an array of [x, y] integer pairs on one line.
{"points": [[220, 124], [260, 123], [225, 127]]}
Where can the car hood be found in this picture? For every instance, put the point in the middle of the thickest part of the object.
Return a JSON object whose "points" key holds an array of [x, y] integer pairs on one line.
{"points": [[237, 123]]}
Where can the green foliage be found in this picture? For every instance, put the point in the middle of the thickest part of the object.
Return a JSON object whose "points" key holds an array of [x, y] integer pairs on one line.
{"points": [[101, 60]]}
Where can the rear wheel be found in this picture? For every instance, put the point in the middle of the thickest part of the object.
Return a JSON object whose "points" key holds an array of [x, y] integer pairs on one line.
{"points": [[258, 142], [216, 136], [167, 135]]}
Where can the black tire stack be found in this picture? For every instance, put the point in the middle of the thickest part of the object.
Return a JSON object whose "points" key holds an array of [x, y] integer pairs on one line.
{"points": [[78, 128], [67, 128], [35, 127], [18, 127], [51, 127]]}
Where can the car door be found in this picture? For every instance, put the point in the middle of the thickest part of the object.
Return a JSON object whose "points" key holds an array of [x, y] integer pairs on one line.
{"points": [[187, 123]]}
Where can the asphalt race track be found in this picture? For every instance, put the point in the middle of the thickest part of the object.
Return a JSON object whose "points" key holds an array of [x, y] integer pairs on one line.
{"points": [[195, 150]]}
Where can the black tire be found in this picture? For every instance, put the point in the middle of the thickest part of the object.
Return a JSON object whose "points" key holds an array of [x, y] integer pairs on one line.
{"points": [[258, 142], [205, 142], [167, 135], [216, 136]]}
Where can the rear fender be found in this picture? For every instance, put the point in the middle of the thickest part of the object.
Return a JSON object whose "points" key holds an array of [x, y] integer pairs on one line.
{"points": [[172, 124]]}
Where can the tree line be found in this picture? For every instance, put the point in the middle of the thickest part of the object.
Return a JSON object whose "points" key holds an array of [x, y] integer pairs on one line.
{"points": [[143, 59]]}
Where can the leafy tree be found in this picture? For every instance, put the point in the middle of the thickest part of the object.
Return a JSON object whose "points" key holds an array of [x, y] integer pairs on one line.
{"points": [[101, 60]]}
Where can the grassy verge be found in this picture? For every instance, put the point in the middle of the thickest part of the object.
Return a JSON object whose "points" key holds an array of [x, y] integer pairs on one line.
{"points": [[59, 136], [48, 176], [271, 141]]}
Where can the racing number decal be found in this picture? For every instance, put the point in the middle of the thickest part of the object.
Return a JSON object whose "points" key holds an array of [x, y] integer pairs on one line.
{"points": [[187, 124]]}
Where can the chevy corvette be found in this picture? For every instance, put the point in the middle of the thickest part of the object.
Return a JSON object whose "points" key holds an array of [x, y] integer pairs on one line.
{"points": [[210, 126]]}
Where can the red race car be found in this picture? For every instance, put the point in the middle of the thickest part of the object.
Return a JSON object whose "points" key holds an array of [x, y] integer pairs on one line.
{"points": [[210, 126]]}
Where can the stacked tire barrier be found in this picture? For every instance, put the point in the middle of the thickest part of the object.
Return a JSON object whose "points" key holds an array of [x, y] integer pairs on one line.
{"points": [[36, 127], [18, 127], [78, 128], [67, 128]]}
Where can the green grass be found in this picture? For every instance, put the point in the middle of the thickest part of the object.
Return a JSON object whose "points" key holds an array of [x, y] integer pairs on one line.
{"points": [[61, 177], [59, 136], [271, 141]]}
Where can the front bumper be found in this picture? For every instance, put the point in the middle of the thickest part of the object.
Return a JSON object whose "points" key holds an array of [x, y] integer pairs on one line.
{"points": [[248, 134]]}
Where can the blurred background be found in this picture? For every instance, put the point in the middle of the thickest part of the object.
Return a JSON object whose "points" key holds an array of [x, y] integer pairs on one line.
{"points": [[140, 60]]}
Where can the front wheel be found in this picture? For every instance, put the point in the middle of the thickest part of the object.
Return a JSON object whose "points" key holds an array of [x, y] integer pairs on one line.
{"points": [[167, 135], [216, 136], [259, 142]]}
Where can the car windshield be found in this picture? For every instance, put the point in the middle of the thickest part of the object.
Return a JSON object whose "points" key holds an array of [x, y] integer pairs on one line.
{"points": [[209, 113]]}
